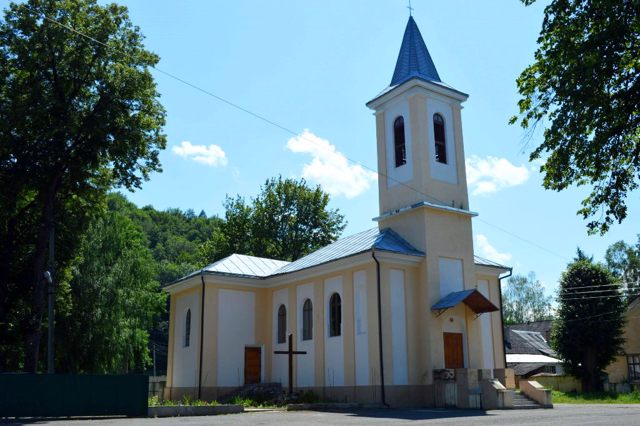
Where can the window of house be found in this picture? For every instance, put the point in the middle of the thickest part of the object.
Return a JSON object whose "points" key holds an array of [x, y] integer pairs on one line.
{"points": [[335, 315], [187, 328], [282, 324], [634, 367], [399, 143], [438, 133], [307, 320]]}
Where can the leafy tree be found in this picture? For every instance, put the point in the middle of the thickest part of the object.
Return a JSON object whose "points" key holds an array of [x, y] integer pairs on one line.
{"points": [[78, 115], [584, 87], [587, 333], [523, 300], [623, 260], [114, 299], [287, 220]]}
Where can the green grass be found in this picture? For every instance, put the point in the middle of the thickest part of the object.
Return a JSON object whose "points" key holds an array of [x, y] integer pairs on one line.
{"points": [[251, 403], [595, 398], [154, 401]]}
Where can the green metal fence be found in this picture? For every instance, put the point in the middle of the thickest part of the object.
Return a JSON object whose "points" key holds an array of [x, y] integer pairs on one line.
{"points": [[55, 395]]}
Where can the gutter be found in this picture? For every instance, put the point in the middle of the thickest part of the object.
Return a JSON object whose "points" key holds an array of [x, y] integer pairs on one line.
{"points": [[201, 335], [504, 349], [384, 401]]}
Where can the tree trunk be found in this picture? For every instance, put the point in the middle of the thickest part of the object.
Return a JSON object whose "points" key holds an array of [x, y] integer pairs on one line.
{"points": [[34, 327], [591, 380]]}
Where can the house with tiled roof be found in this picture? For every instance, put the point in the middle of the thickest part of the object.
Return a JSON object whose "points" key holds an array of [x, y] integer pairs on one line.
{"points": [[403, 313]]}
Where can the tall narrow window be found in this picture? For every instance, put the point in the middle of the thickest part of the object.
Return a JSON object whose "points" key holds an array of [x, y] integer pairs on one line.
{"points": [[398, 141], [335, 315], [307, 320], [441, 144], [634, 367], [282, 324], [187, 328]]}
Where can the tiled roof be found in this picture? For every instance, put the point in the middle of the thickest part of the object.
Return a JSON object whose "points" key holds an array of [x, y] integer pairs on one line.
{"points": [[414, 60]]}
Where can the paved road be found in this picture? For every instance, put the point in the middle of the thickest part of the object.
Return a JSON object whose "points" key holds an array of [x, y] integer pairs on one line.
{"points": [[562, 414]]}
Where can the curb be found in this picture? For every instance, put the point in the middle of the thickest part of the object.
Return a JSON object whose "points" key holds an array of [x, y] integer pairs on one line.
{"points": [[193, 410]]}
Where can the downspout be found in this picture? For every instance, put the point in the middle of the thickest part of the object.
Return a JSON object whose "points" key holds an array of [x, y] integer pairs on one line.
{"points": [[201, 335], [384, 400], [504, 349]]}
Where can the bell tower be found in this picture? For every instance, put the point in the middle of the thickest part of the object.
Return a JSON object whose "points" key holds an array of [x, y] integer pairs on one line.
{"points": [[420, 146]]}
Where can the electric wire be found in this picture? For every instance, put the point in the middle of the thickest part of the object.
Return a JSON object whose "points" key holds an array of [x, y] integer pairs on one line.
{"points": [[297, 134]]}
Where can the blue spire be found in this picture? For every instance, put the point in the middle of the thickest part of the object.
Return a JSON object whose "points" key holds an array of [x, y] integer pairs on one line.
{"points": [[414, 59]]}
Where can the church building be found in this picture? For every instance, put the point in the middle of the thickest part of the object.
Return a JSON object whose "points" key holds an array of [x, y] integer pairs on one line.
{"points": [[402, 314]]}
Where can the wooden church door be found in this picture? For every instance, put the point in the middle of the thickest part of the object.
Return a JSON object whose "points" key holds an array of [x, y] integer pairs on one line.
{"points": [[252, 365], [453, 352]]}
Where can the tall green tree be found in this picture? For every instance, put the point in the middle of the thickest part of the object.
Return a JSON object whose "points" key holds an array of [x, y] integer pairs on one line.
{"points": [[114, 299], [79, 114], [623, 260], [587, 332], [584, 88], [287, 220], [523, 300]]}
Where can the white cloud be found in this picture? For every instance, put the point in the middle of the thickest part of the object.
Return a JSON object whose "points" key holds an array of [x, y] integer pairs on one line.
{"points": [[489, 252], [211, 155], [329, 167], [491, 174]]}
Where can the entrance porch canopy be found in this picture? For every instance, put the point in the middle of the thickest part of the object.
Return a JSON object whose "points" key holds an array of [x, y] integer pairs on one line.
{"points": [[472, 298]]}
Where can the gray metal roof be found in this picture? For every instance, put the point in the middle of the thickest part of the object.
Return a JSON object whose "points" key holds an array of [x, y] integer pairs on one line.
{"points": [[385, 240], [414, 60], [258, 267], [251, 266], [486, 262]]}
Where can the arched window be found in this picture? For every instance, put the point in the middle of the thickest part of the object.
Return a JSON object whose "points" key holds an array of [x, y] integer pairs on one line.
{"points": [[307, 320], [282, 324], [438, 135], [335, 315], [187, 328], [398, 142]]}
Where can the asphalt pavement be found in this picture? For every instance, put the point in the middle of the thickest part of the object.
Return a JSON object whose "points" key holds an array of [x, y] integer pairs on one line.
{"points": [[562, 414]]}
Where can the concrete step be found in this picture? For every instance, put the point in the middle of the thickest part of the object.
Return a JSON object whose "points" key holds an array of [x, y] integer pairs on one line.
{"points": [[523, 402]]}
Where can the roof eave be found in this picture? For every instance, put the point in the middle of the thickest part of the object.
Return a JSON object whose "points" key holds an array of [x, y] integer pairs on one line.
{"points": [[437, 87]]}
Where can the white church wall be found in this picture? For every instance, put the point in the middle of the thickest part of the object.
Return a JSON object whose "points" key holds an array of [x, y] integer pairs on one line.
{"points": [[279, 363], [361, 338], [398, 327], [444, 172], [185, 373], [333, 346], [305, 363], [236, 329], [485, 329], [451, 276], [404, 173]]}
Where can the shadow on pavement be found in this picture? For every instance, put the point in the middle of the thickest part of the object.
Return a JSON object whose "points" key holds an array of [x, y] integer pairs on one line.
{"points": [[417, 413]]}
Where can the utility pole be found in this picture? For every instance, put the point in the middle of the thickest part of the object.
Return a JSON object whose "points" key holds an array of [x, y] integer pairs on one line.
{"points": [[48, 275]]}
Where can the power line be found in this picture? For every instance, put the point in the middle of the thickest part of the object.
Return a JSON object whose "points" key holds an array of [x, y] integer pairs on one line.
{"points": [[297, 134]]}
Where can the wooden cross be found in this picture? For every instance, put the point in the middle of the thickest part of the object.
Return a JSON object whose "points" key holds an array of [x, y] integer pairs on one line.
{"points": [[291, 353]]}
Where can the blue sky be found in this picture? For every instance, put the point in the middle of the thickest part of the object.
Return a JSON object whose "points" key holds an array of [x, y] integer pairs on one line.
{"points": [[311, 65]]}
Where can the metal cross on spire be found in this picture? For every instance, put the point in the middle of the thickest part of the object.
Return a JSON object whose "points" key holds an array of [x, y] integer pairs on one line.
{"points": [[410, 8]]}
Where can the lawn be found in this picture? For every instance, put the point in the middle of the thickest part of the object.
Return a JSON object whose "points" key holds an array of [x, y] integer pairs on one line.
{"points": [[595, 398]]}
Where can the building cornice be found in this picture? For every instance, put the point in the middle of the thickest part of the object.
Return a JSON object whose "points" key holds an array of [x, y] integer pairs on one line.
{"points": [[425, 204]]}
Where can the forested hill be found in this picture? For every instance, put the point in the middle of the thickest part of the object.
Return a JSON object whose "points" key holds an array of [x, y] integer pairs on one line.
{"points": [[175, 238]]}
